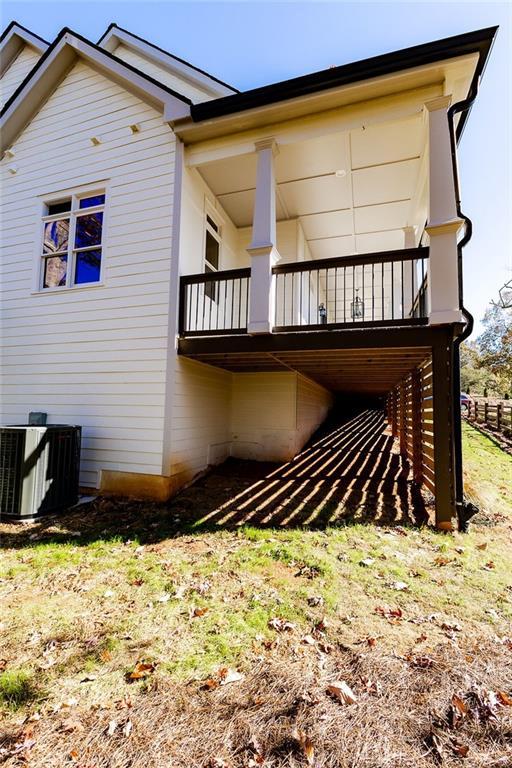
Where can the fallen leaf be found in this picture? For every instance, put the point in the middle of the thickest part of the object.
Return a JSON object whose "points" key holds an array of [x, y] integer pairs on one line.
{"points": [[389, 613], [399, 586], [461, 750], [489, 566], [421, 662], [281, 625], [459, 704], [504, 698], [315, 600], [482, 546], [451, 627], [73, 755], [342, 692], [140, 670], [229, 676], [440, 560], [111, 727], [367, 562], [305, 744], [105, 655], [71, 724], [308, 640], [197, 612], [127, 728]]}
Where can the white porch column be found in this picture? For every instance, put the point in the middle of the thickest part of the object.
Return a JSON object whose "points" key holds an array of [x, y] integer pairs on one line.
{"points": [[409, 271], [443, 221], [262, 250]]}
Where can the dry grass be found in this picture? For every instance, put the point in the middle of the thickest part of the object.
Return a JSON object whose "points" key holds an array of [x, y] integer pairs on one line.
{"points": [[88, 596]]}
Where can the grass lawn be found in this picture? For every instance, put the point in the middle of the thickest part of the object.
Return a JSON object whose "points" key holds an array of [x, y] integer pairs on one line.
{"points": [[132, 637]]}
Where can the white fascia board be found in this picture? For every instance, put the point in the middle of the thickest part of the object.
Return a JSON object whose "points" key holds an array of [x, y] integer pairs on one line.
{"points": [[47, 76], [14, 41], [117, 36]]}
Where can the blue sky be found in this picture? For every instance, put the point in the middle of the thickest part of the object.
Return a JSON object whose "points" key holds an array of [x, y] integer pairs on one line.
{"points": [[249, 44]]}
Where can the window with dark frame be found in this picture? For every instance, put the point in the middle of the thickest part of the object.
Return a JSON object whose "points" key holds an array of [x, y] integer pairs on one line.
{"points": [[211, 256], [72, 246]]}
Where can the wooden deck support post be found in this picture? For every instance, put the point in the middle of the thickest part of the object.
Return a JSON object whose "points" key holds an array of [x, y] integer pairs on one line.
{"points": [[403, 418], [417, 433], [444, 470], [394, 417]]}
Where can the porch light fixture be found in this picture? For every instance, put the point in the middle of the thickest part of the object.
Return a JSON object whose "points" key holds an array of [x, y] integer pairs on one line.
{"points": [[357, 307]]}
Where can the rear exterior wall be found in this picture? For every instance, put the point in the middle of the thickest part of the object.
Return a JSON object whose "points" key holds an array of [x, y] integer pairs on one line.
{"points": [[95, 356]]}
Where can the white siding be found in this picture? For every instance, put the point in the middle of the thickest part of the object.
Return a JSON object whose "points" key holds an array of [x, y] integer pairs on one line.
{"points": [[178, 83], [200, 420], [92, 356], [313, 404], [263, 418], [26, 59]]}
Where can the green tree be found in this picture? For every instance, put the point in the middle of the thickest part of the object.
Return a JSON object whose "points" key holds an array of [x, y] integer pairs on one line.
{"points": [[495, 343]]}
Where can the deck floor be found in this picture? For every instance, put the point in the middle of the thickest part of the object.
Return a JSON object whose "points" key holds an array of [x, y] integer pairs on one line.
{"points": [[350, 472]]}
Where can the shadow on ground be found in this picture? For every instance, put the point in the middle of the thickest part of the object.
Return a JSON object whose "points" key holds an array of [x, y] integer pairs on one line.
{"points": [[350, 472]]}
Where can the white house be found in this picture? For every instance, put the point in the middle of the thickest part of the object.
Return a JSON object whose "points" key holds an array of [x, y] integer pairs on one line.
{"points": [[191, 272]]}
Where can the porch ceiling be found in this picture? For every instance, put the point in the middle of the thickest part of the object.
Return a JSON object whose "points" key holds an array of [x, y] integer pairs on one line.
{"points": [[352, 191], [366, 371]]}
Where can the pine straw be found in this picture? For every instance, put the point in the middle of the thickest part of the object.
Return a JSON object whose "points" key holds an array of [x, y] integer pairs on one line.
{"points": [[401, 711]]}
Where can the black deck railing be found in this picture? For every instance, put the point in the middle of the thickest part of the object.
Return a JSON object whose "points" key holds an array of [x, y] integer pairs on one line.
{"points": [[214, 303], [371, 290], [388, 288]]}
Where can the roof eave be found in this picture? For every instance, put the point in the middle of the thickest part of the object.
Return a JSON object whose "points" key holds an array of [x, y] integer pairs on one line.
{"points": [[479, 42], [52, 67], [13, 39]]}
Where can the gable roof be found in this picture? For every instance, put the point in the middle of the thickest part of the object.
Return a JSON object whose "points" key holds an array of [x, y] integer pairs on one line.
{"points": [[13, 39], [55, 63], [478, 42], [116, 35]]}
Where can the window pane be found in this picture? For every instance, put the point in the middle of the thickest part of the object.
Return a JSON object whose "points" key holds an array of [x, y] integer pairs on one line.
{"points": [[62, 207], [212, 250], [88, 230], [56, 235], [212, 224], [55, 268], [88, 264], [210, 289], [88, 202]]}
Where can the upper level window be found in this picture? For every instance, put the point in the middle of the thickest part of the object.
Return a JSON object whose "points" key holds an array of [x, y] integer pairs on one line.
{"points": [[211, 255], [72, 241]]}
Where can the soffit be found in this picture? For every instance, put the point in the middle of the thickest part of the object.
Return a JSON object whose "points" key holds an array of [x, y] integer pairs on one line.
{"points": [[352, 191]]}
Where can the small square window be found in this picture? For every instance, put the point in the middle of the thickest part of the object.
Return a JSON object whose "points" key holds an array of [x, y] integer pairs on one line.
{"points": [[89, 202], [63, 207]]}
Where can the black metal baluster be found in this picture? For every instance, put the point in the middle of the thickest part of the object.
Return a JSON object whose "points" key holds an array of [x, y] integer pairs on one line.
{"points": [[353, 292], [382, 289], [392, 292], [402, 286], [335, 294], [247, 301], [373, 291]]}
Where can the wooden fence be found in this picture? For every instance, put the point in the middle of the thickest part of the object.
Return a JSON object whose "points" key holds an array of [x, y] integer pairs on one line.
{"points": [[411, 417], [496, 416]]}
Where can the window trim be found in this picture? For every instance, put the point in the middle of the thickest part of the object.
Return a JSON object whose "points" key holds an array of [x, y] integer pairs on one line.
{"points": [[75, 195], [211, 213]]}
